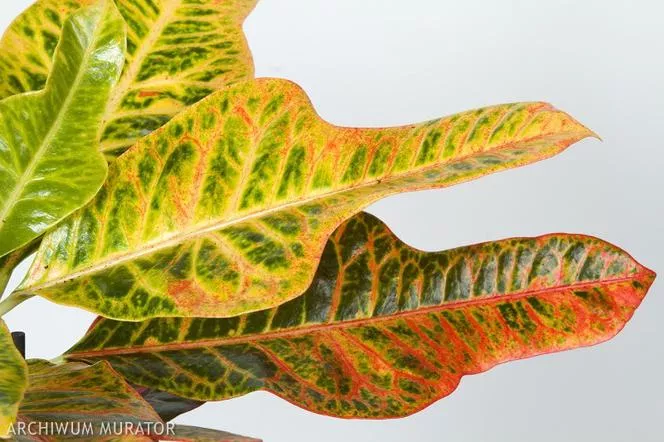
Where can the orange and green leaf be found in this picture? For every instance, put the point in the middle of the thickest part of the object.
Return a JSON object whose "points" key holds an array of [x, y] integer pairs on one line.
{"points": [[13, 380], [385, 330], [227, 209], [92, 402], [178, 51], [78, 394]]}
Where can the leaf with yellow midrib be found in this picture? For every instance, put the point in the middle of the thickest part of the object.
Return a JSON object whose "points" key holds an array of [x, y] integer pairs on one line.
{"points": [[178, 52], [227, 208], [49, 161], [385, 330]]}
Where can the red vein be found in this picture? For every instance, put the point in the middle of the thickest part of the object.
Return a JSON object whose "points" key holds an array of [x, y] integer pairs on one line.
{"points": [[356, 322]]}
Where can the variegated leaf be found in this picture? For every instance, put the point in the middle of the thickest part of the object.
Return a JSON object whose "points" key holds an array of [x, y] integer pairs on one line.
{"points": [[227, 209], [13, 380], [178, 52], [385, 330], [79, 395], [49, 162]]}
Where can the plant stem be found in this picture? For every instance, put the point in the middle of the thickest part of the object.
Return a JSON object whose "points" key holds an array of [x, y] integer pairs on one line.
{"points": [[12, 301]]}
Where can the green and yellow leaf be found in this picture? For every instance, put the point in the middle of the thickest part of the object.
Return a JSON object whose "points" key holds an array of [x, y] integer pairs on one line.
{"points": [[13, 380], [72, 399], [227, 209], [75, 394], [385, 330], [178, 52], [49, 162]]}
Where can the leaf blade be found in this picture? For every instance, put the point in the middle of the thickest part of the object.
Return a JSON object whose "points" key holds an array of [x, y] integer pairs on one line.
{"points": [[386, 330], [13, 380], [178, 52], [49, 163], [249, 184], [89, 394]]}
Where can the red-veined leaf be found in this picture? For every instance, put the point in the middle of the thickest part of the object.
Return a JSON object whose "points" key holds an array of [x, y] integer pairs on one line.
{"points": [[227, 209], [75, 400], [385, 330]]}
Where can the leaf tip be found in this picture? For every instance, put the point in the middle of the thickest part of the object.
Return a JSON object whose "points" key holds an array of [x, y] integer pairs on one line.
{"points": [[649, 276], [557, 120], [592, 134], [582, 130], [643, 281]]}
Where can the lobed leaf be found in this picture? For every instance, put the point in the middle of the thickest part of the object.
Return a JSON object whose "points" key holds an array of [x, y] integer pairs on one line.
{"points": [[13, 380], [227, 209], [77, 393], [385, 330], [178, 52], [49, 162]]}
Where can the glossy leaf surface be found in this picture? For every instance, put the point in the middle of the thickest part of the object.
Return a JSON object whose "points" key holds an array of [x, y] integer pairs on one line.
{"points": [[49, 162], [168, 406], [385, 330], [13, 379], [227, 209], [75, 392], [178, 52]]}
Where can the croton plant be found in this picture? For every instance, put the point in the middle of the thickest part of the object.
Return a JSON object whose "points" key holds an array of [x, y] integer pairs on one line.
{"points": [[214, 223]]}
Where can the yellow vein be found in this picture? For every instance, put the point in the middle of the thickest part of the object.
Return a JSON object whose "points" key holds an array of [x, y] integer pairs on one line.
{"points": [[201, 230], [134, 66], [26, 177]]}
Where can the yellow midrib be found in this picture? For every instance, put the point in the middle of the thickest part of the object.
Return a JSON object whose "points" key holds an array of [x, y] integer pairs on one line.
{"points": [[48, 138], [148, 248], [166, 13]]}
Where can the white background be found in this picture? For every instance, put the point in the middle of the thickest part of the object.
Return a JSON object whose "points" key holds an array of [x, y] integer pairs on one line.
{"points": [[388, 62]]}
